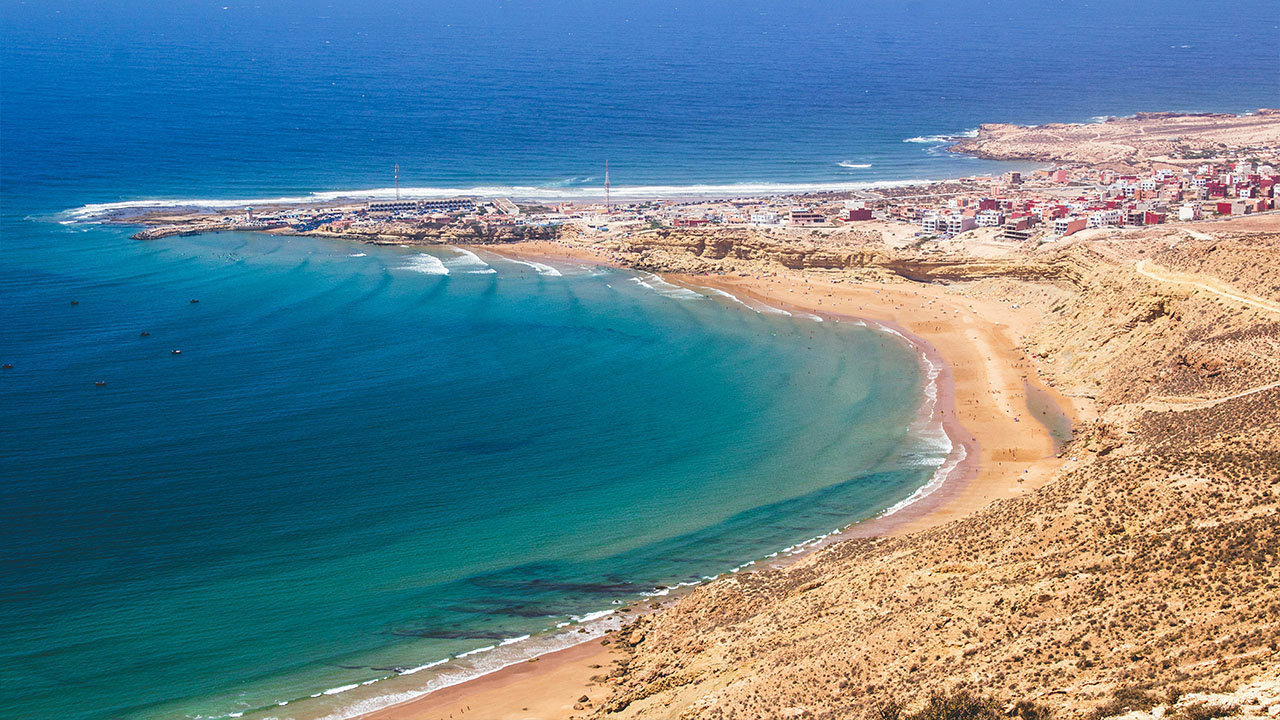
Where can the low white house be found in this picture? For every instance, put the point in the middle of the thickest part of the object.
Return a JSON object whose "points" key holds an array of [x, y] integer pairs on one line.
{"points": [[1104, 218], [990, 218]]}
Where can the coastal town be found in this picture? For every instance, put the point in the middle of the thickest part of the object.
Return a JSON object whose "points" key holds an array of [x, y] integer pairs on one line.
{"points": [[1021, 207]]}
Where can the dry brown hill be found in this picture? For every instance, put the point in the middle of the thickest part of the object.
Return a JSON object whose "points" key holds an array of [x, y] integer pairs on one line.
{"points": [[1152, 563]]}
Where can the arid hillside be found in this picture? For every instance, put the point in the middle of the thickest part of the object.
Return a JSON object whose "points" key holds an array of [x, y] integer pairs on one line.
{"points": [[1148, 567]]}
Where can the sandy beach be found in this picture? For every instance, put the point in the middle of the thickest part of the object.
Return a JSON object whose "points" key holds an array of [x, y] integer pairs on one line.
{"points": [[981, 394], [547, 687], [976, 339]]}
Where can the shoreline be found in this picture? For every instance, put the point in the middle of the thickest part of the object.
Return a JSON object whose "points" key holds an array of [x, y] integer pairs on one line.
{"points": [[120, 211], [982, 372], [977, 479]]}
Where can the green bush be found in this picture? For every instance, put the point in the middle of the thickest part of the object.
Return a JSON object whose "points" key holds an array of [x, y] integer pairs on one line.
{"points": [[962, 705]]}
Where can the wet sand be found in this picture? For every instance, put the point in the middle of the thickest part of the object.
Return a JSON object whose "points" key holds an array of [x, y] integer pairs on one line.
{"points": [[546, 688]]}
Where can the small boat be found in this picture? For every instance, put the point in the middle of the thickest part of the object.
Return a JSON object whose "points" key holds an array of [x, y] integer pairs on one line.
{"points": [[144, 334], [176, 352], [75, 302], [101, 383], [194, 301], [6, 366]]}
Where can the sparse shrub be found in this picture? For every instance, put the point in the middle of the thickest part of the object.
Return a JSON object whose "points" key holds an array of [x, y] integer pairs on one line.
{"points": [[960, 705], [1029, 710], [887, 711], [1205, 712], [1125, 700]]}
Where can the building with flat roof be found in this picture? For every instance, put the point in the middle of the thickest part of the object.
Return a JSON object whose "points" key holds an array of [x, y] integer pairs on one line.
{"points": [[391, 207], [807, 217]]}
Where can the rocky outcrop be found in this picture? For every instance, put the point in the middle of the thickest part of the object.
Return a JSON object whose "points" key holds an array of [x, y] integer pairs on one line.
{"points": [[719, 250]]}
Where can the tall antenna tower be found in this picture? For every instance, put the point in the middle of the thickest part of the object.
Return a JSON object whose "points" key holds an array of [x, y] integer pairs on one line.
{"points": [[606, 186], [397, 182]]}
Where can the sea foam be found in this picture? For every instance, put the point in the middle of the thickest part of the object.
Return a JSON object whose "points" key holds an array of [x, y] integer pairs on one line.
{"points": [[666, 289], [537, 266], [425, 264], [469, 262], [939, 139]]}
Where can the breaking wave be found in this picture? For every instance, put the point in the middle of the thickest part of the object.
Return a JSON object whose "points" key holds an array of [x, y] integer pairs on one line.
{"points": [[537, 266], [425, 264], [468, 262], [939, 139]]}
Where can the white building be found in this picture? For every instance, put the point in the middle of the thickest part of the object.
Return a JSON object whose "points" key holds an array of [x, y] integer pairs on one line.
{"points": [[1189, 211], [764, 218], [1104, 218], [990, 218], [932, 224]]}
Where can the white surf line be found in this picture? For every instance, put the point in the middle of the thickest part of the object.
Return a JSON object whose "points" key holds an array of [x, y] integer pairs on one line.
{"points": [[1181, 279], [540, 268], [657, 284], [729, 295], [469, 262], [758, 307], [426, 264]]}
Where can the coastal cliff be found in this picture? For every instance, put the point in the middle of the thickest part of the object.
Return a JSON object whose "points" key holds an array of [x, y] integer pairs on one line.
{"points": [[861, 253], [1148, 567]]}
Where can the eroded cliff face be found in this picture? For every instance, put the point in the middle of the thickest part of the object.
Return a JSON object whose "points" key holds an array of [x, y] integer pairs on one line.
{"points": [[727, 250], [720, 250], [1154, 562]]}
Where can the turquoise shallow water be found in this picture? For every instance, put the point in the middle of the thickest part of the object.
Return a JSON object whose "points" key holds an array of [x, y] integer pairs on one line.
{"points": [[358, 465]]}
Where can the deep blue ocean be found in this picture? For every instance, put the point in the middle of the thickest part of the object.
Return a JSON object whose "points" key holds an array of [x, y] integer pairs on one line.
{"points": [[368, 461]]}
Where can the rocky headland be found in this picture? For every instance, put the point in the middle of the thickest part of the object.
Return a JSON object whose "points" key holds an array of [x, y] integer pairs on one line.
{"points": [[1135, 140]]}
